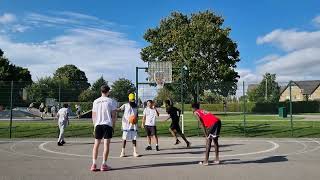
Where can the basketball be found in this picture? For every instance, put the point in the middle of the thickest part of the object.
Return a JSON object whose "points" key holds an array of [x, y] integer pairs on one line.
{"points": [[133, 119]]}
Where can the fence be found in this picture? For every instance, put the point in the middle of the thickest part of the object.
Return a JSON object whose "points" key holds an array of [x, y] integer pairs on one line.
{"points": [[254, 109]]}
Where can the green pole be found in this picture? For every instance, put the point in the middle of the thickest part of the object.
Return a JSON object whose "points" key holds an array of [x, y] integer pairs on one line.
{"points": [[137, 85], [244, 108], [291, 120], [11, 106], [181, 86]]}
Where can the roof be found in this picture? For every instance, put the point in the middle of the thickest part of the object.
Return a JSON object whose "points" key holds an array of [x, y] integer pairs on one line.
{"points": [[252, 87], [307, 87]]}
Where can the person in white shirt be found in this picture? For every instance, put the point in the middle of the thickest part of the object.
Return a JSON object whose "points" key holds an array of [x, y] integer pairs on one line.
{"points": [[104, 115], [150, 114], [129, 124], [63, 121]]}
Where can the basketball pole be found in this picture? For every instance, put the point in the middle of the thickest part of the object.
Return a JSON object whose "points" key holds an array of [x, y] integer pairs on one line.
{"points": [[181, 95]]}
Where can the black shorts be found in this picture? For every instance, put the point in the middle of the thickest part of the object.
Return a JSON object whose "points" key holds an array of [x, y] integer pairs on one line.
{"points": [[151, 130], [214, 130], [175, 126], [103, 132]]}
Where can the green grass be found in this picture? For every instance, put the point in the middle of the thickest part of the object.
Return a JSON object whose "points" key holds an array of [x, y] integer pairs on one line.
{"points": [[232, 126]]}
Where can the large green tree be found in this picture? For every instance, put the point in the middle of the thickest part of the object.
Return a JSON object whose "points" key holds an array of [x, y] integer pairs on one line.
{"points": [[20, 76], [267, 91], [93, 92], [43, 88], [72, 82], [121, 88], [202, 44]]}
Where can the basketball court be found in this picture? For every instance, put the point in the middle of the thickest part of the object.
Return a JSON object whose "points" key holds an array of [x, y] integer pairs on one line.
{"points": [[241, 159]]}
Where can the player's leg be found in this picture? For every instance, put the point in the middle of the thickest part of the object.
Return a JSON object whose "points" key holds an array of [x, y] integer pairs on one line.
{"points": [[124, 142], [216, 147], [178, 130], [208, 148], [155, 137], [61, 134], [174, 134], [98, 133], [95, 154], [147, 129], [106, 146], [134, 136]]}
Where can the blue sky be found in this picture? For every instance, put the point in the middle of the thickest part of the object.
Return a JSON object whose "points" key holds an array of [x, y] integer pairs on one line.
{"points": [[105, 37]]}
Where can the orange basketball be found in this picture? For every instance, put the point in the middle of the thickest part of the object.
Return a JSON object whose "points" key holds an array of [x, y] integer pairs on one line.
{"points": [[133, 119]]}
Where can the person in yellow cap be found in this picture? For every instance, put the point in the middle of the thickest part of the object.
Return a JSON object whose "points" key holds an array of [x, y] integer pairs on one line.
{"points": [[129, 124]]}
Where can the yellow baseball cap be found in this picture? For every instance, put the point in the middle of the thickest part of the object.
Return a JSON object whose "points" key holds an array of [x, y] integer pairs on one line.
{"points": [[131, 97]]}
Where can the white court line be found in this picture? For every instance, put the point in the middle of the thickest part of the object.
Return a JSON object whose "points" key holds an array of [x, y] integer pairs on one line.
{"points": [[274, 147]]}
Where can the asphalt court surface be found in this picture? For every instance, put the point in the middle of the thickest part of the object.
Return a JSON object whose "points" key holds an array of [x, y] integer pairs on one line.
{"points": [[241, 158]]}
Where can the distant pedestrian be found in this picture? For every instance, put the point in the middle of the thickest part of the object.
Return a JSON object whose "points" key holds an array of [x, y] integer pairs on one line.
{"points": [[42, 109]]}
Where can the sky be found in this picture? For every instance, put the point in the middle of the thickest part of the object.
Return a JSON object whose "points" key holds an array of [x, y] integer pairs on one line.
{"points": [[104, 37]]}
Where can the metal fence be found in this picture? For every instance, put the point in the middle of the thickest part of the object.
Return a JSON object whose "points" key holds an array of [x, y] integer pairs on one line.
{"points": [[250, 112]]}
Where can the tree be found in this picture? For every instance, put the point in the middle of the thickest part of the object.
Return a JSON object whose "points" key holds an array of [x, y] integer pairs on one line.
{"points": [[93, 93], [20, 76], [121, 88], [163, 94], [45, 87], [72, 82], [201, 44], [267, 91]]}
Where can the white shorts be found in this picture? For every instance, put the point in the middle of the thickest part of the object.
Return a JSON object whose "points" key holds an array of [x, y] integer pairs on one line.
{"points": [[129, 135]]}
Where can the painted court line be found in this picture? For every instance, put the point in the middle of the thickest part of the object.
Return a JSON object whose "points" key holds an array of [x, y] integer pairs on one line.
{"points": [[274, 147]]}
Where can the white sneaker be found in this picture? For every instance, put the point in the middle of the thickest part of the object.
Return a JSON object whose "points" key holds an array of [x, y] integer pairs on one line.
{"points": [[136, 154], [122, 154]]}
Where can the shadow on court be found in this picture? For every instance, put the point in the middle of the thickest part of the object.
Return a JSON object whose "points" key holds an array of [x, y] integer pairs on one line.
{"points": [[271, 159], [201, 146]]}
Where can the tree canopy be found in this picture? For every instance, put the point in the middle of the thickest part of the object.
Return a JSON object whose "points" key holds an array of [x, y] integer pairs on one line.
{"points": [[202, 44], [267, 91], [121, 88]]}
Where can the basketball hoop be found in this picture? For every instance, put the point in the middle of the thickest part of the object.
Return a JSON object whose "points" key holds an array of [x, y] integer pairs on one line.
{"points": [[159, 77], [160, 73]]}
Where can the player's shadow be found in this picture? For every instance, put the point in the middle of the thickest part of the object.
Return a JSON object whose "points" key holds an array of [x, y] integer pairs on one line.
{"points": [[271, 159], [186, 152], [201, 147]]}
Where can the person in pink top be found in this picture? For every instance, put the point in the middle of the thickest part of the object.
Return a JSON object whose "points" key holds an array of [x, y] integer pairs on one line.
{"points": [[211, 127]]}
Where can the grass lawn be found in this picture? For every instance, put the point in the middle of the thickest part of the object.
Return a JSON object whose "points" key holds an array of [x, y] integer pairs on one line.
{"points": [[232, 126]]}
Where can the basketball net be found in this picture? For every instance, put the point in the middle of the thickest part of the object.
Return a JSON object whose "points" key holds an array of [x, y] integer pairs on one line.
{"points": [[159, 78]]}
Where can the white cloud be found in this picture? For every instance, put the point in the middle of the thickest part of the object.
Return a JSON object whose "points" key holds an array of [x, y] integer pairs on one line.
{"points": [[95, 51], [301, 58], [7, 18], [290, 40], [316, 20]]}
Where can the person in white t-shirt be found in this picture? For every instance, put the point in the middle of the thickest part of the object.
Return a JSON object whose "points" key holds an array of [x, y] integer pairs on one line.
{"points": [[129, 124], [104, 115], [63, 121], [150, 114]]}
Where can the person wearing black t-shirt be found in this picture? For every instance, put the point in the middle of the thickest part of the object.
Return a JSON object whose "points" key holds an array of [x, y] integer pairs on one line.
{"points": [[174, 115]]}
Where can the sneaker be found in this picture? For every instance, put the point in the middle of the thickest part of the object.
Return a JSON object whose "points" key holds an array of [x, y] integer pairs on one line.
{"points": [[136, 154], [104, 167], [203, 163], [122, 154], [63, 142], [148, 148], [93, 167], [188, 144], [60, 144], [157, 148], [177, 142], [216, 162]]}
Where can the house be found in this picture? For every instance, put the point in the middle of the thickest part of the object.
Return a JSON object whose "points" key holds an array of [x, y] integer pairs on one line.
{"points": [[301, 91]]}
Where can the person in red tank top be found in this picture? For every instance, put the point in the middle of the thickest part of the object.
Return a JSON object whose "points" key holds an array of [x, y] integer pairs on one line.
{"points": [[211, 126]]}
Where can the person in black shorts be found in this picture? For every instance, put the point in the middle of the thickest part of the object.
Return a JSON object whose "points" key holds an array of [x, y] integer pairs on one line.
{"points": [[174, 115], [104, 115], [211, 126], [150, 115]]}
